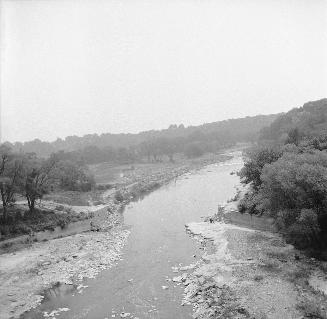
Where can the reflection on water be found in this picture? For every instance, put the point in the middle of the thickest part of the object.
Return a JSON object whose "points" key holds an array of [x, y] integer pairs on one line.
{"points": [[158, 242]]}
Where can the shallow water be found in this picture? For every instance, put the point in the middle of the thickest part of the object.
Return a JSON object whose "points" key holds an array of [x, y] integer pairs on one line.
{"points": [[158, 242]]}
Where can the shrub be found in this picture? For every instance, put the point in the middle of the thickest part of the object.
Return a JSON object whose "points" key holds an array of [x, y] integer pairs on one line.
{"points": [[119, 196], [63, 222], [248, 204]]}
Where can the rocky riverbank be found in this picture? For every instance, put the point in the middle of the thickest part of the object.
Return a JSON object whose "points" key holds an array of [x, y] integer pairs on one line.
{"points": [[251, 273]]}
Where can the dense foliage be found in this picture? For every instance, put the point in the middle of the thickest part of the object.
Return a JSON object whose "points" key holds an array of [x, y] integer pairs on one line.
{"points": [[289, 181]]}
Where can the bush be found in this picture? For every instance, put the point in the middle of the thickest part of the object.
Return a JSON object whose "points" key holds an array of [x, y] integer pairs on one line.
{"points": [[104, 187], [248, 204], [63, 222], [305, 231], [119, 196]]}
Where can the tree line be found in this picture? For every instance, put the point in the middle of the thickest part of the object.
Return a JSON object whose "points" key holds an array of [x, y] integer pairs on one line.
{"points": [[127, 145], [152, 150]]}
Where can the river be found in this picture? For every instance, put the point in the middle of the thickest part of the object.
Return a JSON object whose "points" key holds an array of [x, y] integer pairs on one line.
{"points": [[157, 243]]}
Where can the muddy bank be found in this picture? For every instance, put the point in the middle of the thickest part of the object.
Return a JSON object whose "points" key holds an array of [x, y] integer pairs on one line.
{"points": [[252, 274]]}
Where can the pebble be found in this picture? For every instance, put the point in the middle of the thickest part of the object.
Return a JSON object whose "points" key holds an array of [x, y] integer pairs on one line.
{"points": [[46, 263]]}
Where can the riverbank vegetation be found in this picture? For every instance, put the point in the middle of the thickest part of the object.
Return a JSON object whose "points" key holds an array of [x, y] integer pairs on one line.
{"points": [[287, 176]]}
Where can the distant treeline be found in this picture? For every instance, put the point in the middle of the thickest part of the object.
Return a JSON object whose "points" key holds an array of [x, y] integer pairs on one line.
{"points": [[287, 173], [154, 144]]}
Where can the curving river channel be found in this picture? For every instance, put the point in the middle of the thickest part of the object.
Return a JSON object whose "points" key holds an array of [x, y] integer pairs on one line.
{"points": [[157, 243]]}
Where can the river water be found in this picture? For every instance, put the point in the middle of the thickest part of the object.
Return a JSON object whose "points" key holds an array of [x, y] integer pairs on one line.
{"points": [[157, 243]]}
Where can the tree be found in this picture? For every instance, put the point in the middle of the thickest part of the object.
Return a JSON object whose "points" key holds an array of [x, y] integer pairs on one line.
{"points": [[38, 176], [167, 146], [194, 149], [255, 160], [294, 190], [5, 153], [296, 181], [10, 180], [73, 176], [4, 180], [294, 136]]}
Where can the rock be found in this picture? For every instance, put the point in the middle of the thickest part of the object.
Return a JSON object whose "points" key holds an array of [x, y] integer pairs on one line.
{"points": [[164, 287], [125, 315]]}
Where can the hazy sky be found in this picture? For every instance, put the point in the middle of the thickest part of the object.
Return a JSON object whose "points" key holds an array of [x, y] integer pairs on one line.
{"points": [[90, 66]]}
